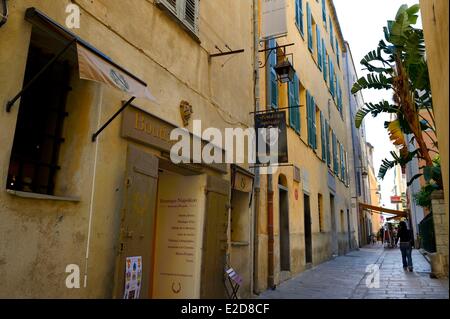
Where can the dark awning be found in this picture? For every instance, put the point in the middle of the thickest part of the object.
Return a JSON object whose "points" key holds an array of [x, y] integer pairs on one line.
{"points": [[93, 64], [40, 20]]}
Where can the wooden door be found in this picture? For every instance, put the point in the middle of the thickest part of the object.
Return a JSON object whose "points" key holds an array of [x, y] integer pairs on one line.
{"points": [[215, 239], [138, 215]]}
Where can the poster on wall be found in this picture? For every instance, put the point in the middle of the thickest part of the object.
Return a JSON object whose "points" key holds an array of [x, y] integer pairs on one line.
{"points": [[133, 277], [179, 235], [273, 18], [271, 138]]}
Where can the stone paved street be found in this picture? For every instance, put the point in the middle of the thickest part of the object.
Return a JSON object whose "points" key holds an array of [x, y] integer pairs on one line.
{"points": [[345, 278]]}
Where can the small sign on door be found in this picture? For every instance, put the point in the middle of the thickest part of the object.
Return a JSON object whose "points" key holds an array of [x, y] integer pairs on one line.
{"points": [[133, 277]]}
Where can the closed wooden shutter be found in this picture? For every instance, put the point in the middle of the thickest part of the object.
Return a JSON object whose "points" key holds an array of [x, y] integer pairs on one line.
{"points": [[273, 83], [137, 218], [319, 48], [294, 113], [324, 58], [324, 12], [309, 25], [322, 137], [308, 116], [191, 14], [215, 239], [313, 123]]}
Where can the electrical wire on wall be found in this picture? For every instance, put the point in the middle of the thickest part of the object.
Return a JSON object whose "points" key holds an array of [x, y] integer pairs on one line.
{"points": [[4, 13]]}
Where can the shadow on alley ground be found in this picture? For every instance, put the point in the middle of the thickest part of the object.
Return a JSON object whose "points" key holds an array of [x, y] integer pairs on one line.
{"points": [[345, 278]]}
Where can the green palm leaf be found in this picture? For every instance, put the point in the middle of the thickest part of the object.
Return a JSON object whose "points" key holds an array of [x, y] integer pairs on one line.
{"points": [[374, 109], [372, 81]]}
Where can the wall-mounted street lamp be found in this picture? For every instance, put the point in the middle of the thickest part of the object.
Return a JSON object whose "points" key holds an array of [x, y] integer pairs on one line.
{"points": [[285, 71], [284, 68]]}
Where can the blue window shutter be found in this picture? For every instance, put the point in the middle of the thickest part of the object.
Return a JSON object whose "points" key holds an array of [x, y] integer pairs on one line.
{"points": [[324, 58], [331, 76], [273, 76], [291, 93], [331, 33], [313, 120], [311, 132], [335, 159], [327, 138], [297, 103], [322, 137], [337, 91], [342, 163], [337, 52], [319, 48], [309, 25], [301, 15], [324, 12], [308, 122]]}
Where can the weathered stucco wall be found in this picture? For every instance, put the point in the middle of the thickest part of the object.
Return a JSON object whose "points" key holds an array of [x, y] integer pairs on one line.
{"points": [[435, 28], [38, 238]]}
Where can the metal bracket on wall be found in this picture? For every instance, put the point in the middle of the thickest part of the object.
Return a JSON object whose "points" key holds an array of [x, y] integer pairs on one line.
{"points": [[94, 136], [269, 165], [221, 53], [268, 110], [283, 47]]}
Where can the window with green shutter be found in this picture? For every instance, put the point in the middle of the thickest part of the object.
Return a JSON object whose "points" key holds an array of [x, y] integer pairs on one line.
{"points": [[309, 25], [342, 164], [331, 33], [294, 111], [313, 122], [347, 178], [327, 141], [319, 48], [299, 15], [337, 93], [324, 58], [324, 12], [322, 136], [331, 69], [308, 118], [335, 158], [311, 116], [337, 53], [273, 75]]}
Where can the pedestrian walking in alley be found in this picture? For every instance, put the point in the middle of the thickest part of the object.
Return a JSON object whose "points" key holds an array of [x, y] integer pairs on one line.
{"points": [[405, 238]]}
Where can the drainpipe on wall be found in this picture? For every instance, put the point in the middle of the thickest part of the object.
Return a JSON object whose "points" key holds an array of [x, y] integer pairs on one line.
{"points": [[271, 263], [270, 231], [256, 171], [4, 14]]}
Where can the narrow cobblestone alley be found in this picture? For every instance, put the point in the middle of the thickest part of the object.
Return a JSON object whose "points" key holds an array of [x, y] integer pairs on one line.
{"points": [[345, 278]]}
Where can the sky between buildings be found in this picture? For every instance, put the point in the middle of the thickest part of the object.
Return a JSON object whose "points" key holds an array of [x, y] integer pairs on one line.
{"points": [[362, 23]]}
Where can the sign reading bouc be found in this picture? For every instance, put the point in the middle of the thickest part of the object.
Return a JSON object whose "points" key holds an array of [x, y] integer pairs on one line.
{"points": [[273, 18]]}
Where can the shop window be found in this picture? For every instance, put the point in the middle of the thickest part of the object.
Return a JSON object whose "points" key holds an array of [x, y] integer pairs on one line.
{"points": [[39, 130], [186, 11]]}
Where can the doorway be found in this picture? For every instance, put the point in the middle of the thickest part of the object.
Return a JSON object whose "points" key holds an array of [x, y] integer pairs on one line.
{"points": [[178, 235], [334, 240], [285, 259], [350, 246], [307, 222]]}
